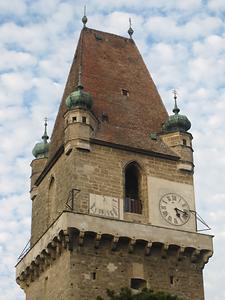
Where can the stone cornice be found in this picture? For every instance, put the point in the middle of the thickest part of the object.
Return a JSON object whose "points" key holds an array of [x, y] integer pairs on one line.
{"points": [[72, 230], [135, 150]]}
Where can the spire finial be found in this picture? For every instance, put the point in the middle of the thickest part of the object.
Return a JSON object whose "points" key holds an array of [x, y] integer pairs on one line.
{"points": [[45, 135], [84, 19], [130, 30], [79, 85], [176, 110]]}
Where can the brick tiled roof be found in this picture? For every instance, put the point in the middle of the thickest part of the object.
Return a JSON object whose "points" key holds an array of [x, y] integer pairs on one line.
{"points": [[110, 64]]}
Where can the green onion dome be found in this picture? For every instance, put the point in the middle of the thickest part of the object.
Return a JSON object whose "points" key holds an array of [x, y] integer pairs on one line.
{"points": [[40, 150], [79, 98], [177, 122]]}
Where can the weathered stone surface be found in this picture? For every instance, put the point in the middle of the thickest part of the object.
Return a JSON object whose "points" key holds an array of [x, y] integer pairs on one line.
{"points": [[85, 271], [81, 241]]}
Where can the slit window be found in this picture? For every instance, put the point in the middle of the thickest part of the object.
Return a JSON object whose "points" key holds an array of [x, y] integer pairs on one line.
{"points": [[184, 142], [84, 120], [132, 186]]}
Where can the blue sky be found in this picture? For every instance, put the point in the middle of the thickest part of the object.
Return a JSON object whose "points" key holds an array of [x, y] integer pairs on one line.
{"points": [[183, 45]]}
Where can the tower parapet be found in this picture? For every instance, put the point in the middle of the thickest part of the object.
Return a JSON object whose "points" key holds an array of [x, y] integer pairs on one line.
{"points": [[175, 135]]}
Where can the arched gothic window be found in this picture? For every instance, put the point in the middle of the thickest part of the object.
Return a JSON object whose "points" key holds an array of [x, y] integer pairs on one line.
{"points": [[132, 189]]}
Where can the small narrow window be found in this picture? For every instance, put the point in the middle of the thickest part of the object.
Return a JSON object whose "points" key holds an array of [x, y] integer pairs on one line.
{"points": [[93, 275], [105, 117], [137, 283], [84, 119], [98, 37], [125, 92], [132, 186], [184, 142], [171, 280], [74, 119]]}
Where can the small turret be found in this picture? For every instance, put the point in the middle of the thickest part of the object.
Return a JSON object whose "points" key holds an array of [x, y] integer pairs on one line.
{"points": [[40, 150], [175, 135], [79, 98], [176, 122], [80, 123]]}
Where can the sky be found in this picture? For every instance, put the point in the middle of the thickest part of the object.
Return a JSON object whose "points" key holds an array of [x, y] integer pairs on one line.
{"points": [[183, 46]]}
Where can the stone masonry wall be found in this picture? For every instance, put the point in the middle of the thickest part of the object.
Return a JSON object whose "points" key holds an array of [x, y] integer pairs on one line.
{"points": [[100, 171], [53, 283], [87, 271], [114, 270]]}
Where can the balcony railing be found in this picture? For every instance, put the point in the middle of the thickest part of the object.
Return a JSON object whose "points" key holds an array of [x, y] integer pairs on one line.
{"points": [[133, 205]]}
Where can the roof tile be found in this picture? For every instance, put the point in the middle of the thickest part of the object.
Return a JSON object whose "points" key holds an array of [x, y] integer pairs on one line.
{"points": [[111, 63]]}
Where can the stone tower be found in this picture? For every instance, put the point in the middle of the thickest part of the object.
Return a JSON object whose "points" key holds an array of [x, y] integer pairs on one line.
{"points": [[112, 193]]}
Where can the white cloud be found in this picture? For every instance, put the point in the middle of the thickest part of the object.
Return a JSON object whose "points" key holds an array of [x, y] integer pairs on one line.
{"points": [[14, 7], [14, 60], [212, 46], [216, 5], [198, 27], [183, 45]]}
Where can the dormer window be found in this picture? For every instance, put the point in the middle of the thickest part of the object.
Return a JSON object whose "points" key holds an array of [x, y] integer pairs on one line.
{"points": [[125, 92], [132, 189]]}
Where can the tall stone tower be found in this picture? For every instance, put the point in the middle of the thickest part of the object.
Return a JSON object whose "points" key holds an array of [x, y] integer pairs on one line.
{"points": [[112, 193]]}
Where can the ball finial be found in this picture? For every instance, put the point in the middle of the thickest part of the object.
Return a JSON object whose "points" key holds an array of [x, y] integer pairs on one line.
{"points": [[84, 19], [130, 30]]}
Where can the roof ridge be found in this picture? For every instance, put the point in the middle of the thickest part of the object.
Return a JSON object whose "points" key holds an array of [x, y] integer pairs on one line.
{"points": [[109, 33]]}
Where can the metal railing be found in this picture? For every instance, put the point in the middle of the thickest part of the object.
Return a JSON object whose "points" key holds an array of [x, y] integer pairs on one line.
{"points": [[132, 205], [24, 251], [70, 203]]}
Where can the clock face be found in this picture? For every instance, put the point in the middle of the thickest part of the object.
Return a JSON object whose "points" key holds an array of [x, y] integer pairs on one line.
{"points": [[174, 209], [104, 206]]}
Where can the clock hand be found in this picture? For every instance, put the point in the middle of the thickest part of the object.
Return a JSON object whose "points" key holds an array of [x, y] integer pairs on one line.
{"points": [[177, 212], [183, 211]]}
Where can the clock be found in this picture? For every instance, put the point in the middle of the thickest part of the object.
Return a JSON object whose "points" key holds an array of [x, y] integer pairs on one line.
{"points": [[104, 206], [174, 209]]}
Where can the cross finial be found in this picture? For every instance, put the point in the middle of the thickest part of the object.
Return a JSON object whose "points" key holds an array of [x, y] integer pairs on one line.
{"points": [[175, 94], [130, 30], [84, 19], [176, 110], [45, 135]]}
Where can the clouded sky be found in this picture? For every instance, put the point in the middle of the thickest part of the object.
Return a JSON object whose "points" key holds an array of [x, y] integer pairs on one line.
{"points": [[183, 45]]}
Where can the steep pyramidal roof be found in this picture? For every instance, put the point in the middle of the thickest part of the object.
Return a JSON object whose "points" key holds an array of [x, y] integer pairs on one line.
{"points": [[111, 64]]}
